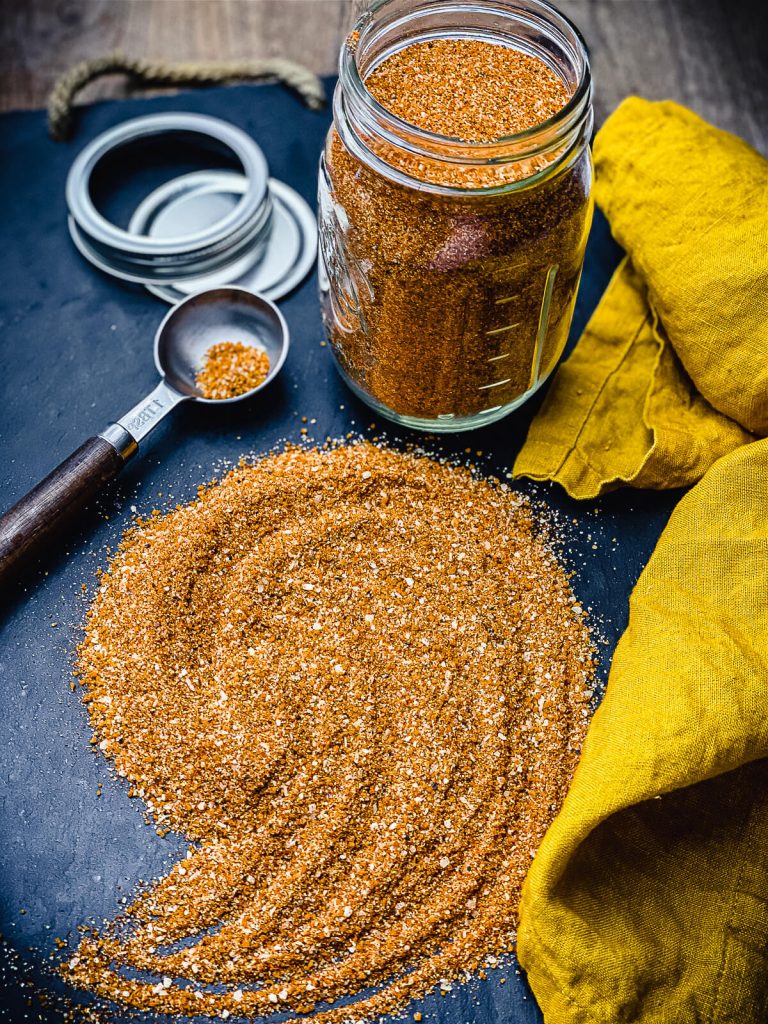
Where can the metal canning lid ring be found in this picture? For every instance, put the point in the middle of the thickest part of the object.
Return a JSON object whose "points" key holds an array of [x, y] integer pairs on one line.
{"points": [[279, 258], [146, 259]]}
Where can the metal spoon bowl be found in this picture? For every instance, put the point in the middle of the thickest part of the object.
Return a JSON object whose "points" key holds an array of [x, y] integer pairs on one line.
{"points": [[220, 314], [186, 333], [184, 336]]}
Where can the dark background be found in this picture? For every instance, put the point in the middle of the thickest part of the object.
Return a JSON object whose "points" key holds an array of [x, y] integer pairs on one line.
{"points": [[75, 352]]}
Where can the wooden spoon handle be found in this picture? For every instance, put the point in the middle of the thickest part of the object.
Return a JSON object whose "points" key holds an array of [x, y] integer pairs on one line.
{"points": [[33, 520]]}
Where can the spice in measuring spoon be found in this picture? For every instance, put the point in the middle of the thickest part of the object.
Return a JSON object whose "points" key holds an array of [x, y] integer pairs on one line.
{"points": [[231, 368], [181, 342]]}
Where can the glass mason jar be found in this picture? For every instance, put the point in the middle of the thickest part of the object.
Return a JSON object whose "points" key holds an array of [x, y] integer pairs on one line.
{"points": [[449, 269]]}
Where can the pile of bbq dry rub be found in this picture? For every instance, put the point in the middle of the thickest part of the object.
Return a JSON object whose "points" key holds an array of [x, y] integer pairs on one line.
{"points": [[357, 681]]}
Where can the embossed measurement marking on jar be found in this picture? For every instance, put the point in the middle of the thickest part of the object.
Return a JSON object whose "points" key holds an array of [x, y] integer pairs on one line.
{"points": [[501, 330], [541, 333]]}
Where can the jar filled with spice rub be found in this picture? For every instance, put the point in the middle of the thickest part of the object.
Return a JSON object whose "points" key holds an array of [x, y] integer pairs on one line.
{"points": [[455, 205]]}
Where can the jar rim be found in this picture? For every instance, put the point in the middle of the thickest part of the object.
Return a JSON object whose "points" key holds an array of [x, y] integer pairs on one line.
{"points": [[533, 139]]}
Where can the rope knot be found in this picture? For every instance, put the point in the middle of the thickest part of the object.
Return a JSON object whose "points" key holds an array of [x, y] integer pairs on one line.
{"points": [[61, 101]]}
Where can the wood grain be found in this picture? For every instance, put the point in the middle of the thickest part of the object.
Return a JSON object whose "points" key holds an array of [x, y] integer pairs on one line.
{"points": [[709, 54], [34, 521]]}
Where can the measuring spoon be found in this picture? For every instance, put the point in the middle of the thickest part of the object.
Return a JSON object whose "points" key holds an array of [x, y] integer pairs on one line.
{"points": [[186, 333]]}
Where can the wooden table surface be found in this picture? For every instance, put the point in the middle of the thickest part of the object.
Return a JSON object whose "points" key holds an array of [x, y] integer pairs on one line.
{"points": [[709, 54]]}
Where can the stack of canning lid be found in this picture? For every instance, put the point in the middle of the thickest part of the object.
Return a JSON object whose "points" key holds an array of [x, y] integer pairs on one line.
{"points": [[229, 223]]}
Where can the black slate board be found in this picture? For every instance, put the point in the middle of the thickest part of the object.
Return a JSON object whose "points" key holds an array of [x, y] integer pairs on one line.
{"points": [[76, 351]]}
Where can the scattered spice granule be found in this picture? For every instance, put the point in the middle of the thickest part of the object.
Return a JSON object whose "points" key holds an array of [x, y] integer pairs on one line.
{"points": [[353, 679], [232, 368]]}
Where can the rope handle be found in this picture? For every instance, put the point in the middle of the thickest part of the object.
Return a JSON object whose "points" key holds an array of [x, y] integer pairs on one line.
{"points": [[295, 76]]}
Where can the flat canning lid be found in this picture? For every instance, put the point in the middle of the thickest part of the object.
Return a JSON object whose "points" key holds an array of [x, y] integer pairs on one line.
{"points": [[152, 260]]}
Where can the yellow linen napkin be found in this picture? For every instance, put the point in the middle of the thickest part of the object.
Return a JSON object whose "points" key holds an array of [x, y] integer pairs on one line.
{"points": [[672, 370], [647, 902]]}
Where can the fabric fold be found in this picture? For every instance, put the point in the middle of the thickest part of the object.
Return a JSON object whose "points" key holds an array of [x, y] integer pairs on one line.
{"points": [[671, 371], [648, 899]]}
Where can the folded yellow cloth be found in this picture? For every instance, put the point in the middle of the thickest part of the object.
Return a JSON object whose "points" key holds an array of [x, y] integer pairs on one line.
{"points": [[647, 902], [672, 370]]}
